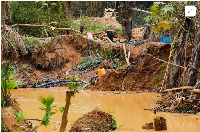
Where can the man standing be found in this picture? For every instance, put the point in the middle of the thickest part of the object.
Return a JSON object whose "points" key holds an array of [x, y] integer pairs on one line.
{"points": [[81, 29], [128, 28]]}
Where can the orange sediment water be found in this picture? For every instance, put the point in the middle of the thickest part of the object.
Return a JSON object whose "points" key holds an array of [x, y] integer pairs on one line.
{"points": [[128, 109]]}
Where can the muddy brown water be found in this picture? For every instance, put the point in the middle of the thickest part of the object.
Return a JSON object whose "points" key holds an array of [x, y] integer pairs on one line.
{"points": [[129, 109]]}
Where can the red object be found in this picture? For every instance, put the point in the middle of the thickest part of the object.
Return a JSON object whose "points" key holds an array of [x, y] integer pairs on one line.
{"points": [[106, 31]]}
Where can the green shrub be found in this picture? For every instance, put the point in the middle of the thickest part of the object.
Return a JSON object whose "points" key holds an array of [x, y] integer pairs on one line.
{"points": [[7, 82], [31, 44], [94, 60], [89, 62]]}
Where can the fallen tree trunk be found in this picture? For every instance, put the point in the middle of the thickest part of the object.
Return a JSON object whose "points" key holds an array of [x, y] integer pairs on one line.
{"points": [[196, 91], [178, 89]]}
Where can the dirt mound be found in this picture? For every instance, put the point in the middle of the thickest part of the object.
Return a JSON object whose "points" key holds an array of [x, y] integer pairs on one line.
{"points": [[10, 123], [109, 21], [62, 52], [95, 120], [143, 67]]}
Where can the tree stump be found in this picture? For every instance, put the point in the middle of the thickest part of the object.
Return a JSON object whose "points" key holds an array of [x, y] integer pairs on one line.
{"points": [[160, 123]]}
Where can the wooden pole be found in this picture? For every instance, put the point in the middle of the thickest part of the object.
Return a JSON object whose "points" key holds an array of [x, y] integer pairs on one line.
{"points": [[196, 91], [46, 32], [141, 10], [17, 28], [65, 113], [126, 57], [177, 89]]}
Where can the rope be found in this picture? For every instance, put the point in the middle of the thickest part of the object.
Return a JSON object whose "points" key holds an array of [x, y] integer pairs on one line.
{"points": [[167, 62]]}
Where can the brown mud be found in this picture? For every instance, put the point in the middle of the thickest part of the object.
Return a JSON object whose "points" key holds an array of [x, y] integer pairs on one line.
{"points": [[90, 120], [53, 60], [144, 73], [9, 120]]}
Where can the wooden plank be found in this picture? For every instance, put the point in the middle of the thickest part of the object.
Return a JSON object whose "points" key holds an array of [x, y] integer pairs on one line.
{"points": [[63, 29], [196, 91], [177, 89], [97, 33]]}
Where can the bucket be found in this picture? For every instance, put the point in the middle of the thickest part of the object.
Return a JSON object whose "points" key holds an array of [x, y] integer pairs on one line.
{"points": [[101, 71], [166, 40]]}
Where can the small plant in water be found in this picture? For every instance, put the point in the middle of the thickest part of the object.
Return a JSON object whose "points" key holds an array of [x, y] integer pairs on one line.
{"points": [[114, 121], [47, 102]]}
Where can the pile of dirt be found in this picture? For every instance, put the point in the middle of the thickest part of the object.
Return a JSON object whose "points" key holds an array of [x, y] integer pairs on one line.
{"points": [[10, 123], [143, 67], [53, 60], [180, 101], [95, 120], [109, 21], [62, 52]]}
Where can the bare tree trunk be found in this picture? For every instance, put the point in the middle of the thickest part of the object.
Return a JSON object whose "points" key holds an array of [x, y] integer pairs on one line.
{"points": [[175, 77], [193, 65], [64, 116], [68, 8]]}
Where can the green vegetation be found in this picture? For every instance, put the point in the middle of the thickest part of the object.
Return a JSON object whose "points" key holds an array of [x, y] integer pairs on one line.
{"points": [[160, 16], [32, 44], [61, 109], [89, 62], [19, 116], [34, 81], [3, 128], [7, 82], [47, 102], [114, 121], [74, 84], [94, 60]]}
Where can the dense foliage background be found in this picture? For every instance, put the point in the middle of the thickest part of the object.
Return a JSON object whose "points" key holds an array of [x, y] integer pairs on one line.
{"points": [[65, 12]]}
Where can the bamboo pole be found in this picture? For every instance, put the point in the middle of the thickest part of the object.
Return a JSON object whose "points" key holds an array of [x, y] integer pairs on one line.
{"points": [[29, 25], [136, 9], [65, 113], [177, 89], [196, 91], [126, 57], [46, 32]]}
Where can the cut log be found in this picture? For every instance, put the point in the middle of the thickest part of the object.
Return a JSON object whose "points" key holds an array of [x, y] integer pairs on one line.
{"points": [[177, 89], [196, 91]]}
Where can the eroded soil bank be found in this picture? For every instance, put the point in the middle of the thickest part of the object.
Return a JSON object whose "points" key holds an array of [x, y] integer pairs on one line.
{"points": [[53, 60]]}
